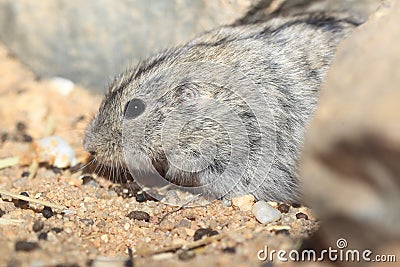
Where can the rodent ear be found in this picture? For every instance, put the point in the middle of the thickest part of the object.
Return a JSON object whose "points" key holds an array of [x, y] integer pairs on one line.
{"points": [[134, 108]]}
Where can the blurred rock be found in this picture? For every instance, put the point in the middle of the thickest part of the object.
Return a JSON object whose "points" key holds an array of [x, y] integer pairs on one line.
{"points": [[91, 41], [351, 162], [265, 9]]}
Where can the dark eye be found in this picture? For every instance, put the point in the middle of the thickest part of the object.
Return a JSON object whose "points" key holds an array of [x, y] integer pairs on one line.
{"points": [[134, 108]]}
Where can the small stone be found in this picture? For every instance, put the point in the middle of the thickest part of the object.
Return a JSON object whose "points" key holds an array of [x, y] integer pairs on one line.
{"points": [[56, 230], [186, 255], [47, 212], [141, 197], [230, 250], [42, 236], [200, 233], [283, 208], [244, 203], [123, 191], [25, 174], [265, 213], [127, 226], [167, 225], [62, 85], [57, 170], [139, 215], [51, 237], [37, 225], [87, 222], [190, 232], [26, 246], [4, 137], [23, 203], [55, 151], [87, 179], [184, 223], [27, 138], [301, 215], [20, 126]]}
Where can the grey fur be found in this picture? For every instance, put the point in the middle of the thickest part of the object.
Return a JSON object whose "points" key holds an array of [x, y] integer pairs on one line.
{"points": [[285, 58]]}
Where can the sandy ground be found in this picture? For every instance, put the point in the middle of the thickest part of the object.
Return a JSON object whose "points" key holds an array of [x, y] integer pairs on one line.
{"points": [[95, 230]]}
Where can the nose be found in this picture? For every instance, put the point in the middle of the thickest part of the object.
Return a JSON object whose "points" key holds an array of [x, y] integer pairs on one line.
{"points": [[93, 153]]}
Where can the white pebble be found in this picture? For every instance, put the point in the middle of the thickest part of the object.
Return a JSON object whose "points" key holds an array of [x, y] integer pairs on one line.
{"points": [[64, 86], [127, 226], [55, 151], [265, 213]]}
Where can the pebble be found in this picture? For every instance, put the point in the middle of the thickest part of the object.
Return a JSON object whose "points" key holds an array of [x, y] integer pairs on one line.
{"points": [[127, 226], [62, 85], [37, 225], [26, 246], [141, 197], [265, 213], [20, 126], [22, 203], [186, 255], [56, 230], [139, 215], [89, 180], [27, 138], [230, 250], [184, 223], [283, 208], [87, 222], [57, 170], [200, 233], [25, 174], [4, 137], [47, 212], [56, 151], [244, 203], [301, 215], [42, 236]]}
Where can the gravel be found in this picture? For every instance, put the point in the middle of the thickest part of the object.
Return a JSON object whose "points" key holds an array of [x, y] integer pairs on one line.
{"points": [[265, 213]]}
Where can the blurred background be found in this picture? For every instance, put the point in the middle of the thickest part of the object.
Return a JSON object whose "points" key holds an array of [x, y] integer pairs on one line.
{"points": [[90, 41]]}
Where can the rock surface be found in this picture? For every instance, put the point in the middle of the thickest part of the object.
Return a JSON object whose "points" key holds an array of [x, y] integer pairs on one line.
{"points": [[89, 42], [350, 166]]}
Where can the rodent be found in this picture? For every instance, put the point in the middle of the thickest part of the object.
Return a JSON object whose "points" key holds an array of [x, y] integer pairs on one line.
{"points": [[226, 111]]}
